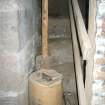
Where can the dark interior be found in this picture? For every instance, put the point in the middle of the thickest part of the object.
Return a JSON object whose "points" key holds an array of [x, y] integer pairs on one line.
{"points": [[61, 7]]}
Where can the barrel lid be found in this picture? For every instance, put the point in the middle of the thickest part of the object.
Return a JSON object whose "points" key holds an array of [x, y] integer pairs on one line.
{"points": [[46, 77]]}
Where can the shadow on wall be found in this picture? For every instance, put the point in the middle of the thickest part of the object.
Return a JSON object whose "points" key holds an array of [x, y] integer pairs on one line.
{"points": [[58, 8]]}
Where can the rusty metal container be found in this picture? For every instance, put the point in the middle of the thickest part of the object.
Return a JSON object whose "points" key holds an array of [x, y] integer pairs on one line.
{"points": [[45, 88]]}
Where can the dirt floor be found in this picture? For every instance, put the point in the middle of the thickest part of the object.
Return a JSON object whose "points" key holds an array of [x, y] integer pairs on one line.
{"points": [[59, 27], [60, 49]]}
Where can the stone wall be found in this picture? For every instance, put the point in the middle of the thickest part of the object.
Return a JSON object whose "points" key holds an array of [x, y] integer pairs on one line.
{"points": [[98, 87], [18, 43]]}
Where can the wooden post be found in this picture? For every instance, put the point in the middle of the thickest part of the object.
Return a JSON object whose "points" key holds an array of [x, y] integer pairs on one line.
{"points": [[90, 61], [82, 32], [45, 28], [79, 75]]}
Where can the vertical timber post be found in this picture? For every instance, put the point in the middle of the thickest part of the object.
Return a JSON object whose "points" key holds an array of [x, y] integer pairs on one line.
{"points": [[90, 61], [45, 28]]}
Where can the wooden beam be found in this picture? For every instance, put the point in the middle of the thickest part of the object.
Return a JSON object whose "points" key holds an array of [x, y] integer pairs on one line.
{"points": [[79, 75], [45, 28], [82, 33], [90, 61]]}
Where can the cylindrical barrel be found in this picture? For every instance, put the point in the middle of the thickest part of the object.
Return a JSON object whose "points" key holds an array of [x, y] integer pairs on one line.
{"points": [[17, 49], [45, 88]]}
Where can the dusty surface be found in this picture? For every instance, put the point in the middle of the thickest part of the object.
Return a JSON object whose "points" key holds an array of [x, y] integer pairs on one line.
{"points": [[61, 56], [66, 67], [58, 7], [61, 51], [59, 27]]}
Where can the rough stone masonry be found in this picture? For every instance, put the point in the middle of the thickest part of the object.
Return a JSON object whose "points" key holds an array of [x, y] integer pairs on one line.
{"points": [[98, 88]]}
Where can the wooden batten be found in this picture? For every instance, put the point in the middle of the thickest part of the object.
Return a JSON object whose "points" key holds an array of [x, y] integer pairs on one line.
{"points": [[82, 33], [90, 61], [79, 75]]}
